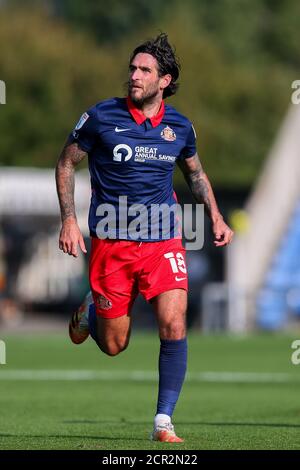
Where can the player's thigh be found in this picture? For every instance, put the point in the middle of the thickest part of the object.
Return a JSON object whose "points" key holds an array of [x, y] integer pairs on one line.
{"points": [[170, 308], [111, 278]]}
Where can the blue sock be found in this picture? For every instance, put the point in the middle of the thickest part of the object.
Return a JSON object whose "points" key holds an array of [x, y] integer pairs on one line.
{"points": [[93, 322], [172, 368]]}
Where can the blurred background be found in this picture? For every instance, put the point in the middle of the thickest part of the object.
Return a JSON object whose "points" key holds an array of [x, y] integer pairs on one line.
{"points": [[239, 59]]}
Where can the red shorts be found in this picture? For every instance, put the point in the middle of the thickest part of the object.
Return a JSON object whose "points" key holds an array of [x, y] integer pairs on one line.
{"points": [[120, 269]]}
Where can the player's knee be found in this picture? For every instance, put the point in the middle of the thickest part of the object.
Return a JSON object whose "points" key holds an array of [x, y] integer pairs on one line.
{"points": [[173, 331], [113, 348]]}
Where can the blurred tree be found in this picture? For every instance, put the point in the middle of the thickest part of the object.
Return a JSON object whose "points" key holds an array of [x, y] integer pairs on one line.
{"points": [[108, 21], [280, 38], [105, 22], [238, 61], [52, 75], [252, 31], [236, 106]]}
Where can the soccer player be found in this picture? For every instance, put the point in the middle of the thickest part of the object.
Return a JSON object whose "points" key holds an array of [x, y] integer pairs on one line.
{"points": [[133, 144]]}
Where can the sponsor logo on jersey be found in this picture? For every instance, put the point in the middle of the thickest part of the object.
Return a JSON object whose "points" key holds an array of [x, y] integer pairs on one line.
{"points": [[122, 152], [168, 134]]}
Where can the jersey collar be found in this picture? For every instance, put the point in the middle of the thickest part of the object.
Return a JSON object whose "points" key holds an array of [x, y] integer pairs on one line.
{"points": [[139, 117]]}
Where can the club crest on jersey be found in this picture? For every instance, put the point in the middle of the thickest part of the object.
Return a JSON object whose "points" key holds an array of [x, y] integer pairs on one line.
{"points": [[168, 134], [102, 302]]}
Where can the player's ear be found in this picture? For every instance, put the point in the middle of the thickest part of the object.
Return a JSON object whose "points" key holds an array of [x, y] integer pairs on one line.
{"points": [[165, 80]]}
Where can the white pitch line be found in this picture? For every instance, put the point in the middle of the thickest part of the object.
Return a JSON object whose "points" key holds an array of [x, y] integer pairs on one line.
{"points": [[143, 376]]}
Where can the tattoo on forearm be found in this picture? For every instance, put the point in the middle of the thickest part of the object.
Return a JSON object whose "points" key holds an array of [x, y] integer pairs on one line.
{"points": [[65, 182], [199, 185], [200, 188]]}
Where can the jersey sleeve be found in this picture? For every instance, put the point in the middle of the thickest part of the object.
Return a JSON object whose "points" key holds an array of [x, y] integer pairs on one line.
{"points": [[190, 145], [85, 131]]}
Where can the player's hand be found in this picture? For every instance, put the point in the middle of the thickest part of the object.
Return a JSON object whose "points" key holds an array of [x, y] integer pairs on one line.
{"points": [[70, 237], [223, 234]]}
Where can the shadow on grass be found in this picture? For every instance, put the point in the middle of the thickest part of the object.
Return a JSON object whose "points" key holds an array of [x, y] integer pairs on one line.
{"points": [[186, 423], [269, 425], [67, 436]]}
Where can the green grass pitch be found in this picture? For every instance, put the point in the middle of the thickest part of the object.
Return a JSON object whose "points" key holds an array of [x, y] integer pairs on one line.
{"points": [[241, 393]]}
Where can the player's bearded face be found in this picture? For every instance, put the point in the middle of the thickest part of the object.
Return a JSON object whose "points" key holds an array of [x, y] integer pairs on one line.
{"points": [[144, 81], [142, 94]]}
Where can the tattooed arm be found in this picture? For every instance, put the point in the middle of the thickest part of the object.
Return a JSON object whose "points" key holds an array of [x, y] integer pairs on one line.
{"points": [[201, 189], [70, 235]]}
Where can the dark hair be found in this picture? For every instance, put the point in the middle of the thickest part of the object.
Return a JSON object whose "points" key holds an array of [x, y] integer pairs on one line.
{"points": [[163, 52]]}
